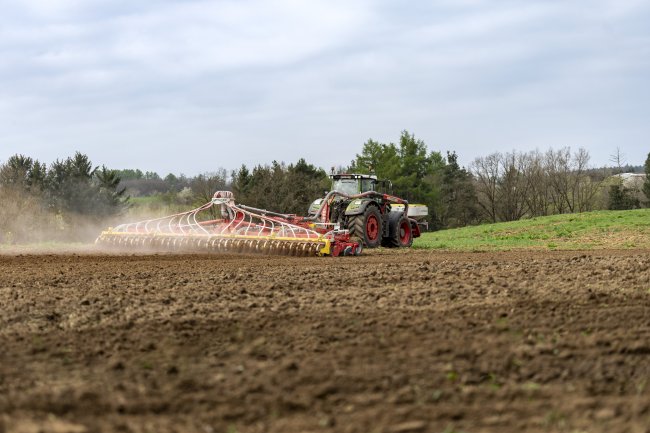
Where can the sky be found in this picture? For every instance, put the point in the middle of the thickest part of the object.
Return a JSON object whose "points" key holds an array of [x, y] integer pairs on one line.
{"points": [[193, 86]]}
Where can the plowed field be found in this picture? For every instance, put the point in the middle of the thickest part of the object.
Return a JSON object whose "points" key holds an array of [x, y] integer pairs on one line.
{"points": [[390, 342]]}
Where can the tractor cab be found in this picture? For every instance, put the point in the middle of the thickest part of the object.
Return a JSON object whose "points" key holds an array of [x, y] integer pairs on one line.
{"points": [[353, 184]]}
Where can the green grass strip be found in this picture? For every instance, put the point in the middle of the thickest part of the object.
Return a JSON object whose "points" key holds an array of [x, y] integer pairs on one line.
{"points": [[588, 230]]}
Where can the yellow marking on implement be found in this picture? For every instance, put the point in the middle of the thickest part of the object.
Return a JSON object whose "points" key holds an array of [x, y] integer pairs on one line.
{"points": [[327, 249]]}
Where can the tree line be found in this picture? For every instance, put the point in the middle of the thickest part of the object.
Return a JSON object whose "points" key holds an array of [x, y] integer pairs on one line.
{"points": [[39, 200], [501, 186], [498, 187]]}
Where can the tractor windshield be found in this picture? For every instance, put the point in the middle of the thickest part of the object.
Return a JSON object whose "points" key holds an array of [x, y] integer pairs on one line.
{"points": [[367, 185], [347, 186]]}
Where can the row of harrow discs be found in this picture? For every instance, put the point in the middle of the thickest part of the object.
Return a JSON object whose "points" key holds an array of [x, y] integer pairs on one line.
{"points": [[210, 244]]}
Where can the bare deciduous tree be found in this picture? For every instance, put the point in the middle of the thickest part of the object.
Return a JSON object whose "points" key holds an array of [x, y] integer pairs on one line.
{"points": [[514, 185], [538, 188], [512, 189], [487, 174], [204, 186], [618, 159], [572, 188]]}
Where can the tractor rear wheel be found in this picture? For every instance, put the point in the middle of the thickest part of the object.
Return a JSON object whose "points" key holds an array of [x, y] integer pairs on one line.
{"points": [[400, 233], [367, 227]]}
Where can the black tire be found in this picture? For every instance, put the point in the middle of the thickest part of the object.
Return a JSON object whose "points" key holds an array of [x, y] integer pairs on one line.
{"points": [[367, 227], [400, 232]]}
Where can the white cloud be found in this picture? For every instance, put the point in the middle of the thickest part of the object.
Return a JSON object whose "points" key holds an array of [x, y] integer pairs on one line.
{"points": [[203, 37], [286, 79]]}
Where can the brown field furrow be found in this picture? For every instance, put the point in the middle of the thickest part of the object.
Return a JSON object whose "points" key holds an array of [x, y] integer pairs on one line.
{"points": [[415, 341]]}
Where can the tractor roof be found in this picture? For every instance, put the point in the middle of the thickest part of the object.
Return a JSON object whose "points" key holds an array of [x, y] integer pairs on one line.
{"points": [[353, 176]]}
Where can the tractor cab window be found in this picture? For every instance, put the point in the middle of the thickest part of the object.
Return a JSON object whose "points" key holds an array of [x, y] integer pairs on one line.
{"points": [[347, 186], [367, 185]]}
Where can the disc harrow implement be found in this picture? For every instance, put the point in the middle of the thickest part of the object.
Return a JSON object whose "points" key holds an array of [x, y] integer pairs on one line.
{"points": [[221, 226]]}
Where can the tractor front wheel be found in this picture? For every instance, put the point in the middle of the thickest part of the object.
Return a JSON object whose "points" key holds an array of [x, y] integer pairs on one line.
{"points": [[367, 227]]}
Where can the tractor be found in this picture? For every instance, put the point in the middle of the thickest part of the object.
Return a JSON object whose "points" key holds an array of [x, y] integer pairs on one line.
{"points": [[366, 207]]}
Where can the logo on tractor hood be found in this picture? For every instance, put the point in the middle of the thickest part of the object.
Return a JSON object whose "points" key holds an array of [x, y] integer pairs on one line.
{"points": [[355, 204]]}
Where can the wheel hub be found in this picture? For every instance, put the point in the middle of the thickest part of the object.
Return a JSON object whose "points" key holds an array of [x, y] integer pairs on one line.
{"points": [[372, 227]]}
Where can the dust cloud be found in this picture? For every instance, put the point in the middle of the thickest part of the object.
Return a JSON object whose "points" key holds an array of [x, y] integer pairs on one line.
{"points": [[29, 226]]}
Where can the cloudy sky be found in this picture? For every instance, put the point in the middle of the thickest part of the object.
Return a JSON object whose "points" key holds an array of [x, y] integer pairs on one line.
{"points": [[190, 86]]}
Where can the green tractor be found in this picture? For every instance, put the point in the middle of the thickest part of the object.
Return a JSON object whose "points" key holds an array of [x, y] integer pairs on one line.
{"points": [[366, 207]]}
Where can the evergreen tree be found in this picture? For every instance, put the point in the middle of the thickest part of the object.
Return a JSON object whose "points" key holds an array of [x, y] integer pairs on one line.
{"points": [[109, 199], [74, 187], [458, 202], [23, 172], [241, 180], [151, 175], [414, 173], [620, 198], [305, 183], [379, 158], [130, 174], [280, 188], [68, 185]]}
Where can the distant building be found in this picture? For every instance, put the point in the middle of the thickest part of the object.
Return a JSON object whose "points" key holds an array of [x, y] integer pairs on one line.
{"points": [[632, 181]]}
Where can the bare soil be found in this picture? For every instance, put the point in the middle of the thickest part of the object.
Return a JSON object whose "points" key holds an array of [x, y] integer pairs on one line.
{"points": [[394, 342]]}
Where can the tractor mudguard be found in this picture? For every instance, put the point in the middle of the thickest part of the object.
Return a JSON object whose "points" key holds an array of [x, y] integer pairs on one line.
{"points": [[415, 228], [358, 206]]}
